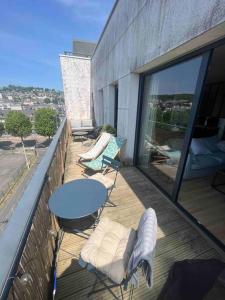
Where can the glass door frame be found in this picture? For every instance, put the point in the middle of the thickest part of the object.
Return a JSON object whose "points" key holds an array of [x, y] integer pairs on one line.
{"points": [[206, 57], [116, 100], [188, 136]]}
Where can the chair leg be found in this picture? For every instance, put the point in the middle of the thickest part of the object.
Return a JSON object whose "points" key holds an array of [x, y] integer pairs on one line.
{"points": [[85, 175], [60, 238], [93, 287], [97, 219], [121, 291], [106, 287], [131, 292], [80, 233], [110, 202]]}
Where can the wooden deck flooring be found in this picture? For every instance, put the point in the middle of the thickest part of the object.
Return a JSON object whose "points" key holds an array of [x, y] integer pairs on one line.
{"points": [[177, 240], [205, 203]]}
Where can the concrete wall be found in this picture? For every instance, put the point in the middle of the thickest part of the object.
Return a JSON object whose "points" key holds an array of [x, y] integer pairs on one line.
{"points": [[76, 85], [98, 107], [142, 34], [109, 104], [127, 111]]}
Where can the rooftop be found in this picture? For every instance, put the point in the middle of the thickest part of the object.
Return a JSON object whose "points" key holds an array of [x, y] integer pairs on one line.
{"points": [[83, 48]]}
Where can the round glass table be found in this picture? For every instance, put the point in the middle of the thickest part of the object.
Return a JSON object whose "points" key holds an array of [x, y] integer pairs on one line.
{"points": [[78, 198], [81, 134], [76, 204]]}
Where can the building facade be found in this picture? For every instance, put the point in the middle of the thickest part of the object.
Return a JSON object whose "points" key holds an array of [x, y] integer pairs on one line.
{"points": [[140, 36], [157, 75], [76, 70]]}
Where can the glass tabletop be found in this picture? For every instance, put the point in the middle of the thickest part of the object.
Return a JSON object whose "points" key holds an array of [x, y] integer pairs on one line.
{"points": [[80, 133], [78, 198]]}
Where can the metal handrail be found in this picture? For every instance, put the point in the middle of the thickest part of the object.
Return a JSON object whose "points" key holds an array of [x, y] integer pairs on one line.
{"points": [[14, 237], [69, 53]]}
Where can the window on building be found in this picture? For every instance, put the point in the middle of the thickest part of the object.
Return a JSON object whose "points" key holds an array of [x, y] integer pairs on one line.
{"points": [[166, 106]]}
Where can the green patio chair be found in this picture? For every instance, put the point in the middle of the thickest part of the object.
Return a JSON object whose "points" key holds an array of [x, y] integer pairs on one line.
{"points": [[114, 146]]}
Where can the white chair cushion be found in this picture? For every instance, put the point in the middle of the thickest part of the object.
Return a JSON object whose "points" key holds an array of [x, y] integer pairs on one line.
{"points": [[109, 249], [97, 148], [105, 180]]}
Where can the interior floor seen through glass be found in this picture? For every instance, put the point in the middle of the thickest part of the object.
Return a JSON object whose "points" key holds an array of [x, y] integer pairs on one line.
{"points": [[202, 191]]}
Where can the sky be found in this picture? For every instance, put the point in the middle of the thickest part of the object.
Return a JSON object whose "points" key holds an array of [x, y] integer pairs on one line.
{"points": [[34, 32]]}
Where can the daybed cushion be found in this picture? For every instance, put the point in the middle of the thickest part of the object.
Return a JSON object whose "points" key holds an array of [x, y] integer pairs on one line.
{"points": [[105, 180], [220, 156], [109, 249], [198, 147], [206, 145], [211, 143], [204, 161], [221, 146]]}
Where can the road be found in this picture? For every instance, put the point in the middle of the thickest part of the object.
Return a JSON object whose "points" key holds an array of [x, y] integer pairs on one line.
{"points": [[7, 208], [11, 164]]}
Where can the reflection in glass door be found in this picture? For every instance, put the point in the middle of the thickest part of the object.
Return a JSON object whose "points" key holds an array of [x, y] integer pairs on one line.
{"points": [[166, 106]]}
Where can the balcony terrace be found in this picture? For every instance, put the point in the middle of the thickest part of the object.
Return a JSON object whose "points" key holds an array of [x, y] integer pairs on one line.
{"points": [[177, 240], [28, 243]]}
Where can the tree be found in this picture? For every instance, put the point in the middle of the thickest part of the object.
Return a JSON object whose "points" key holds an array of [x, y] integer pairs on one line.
{"points": [[108, 128], [55, 101], [2, 128], [47, 100], [18, 124], [45, 121]]}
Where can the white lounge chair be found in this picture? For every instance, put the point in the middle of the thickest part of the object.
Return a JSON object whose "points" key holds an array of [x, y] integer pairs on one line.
{"points": [[108, 182], [98, 147]]}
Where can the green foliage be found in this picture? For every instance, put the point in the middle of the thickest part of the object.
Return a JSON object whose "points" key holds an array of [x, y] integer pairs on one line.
{"points": [[178, 97], [56, 101], [47, 100], [45, 121], [18, 124], [108, 128], [2, 128], [167, 119]]}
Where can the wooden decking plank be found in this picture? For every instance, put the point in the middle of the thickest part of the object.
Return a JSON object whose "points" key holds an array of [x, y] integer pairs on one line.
{"points": [[177, 240]]}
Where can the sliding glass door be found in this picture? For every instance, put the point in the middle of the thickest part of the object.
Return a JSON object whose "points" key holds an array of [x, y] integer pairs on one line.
{"points": [[167, 104]]}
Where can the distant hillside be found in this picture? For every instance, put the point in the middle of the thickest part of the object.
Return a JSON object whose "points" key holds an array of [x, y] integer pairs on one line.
{"points": [[167, 97], [19, 88]]}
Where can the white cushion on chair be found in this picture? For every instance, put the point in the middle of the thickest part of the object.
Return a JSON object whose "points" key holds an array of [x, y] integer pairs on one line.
{"points": [[105, 180], [97, 149], [109, 249]]}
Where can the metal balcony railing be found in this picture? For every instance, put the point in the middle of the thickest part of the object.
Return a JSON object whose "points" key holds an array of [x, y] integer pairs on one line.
{"points": [[28, 243], [69, 53]]}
